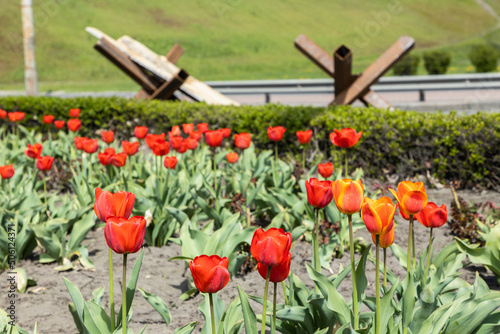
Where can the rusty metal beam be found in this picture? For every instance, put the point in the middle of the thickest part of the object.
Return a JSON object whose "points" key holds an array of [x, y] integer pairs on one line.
{"points": [[360, 86], [175, 53], [169, 87], [122, 61], [315, 53], [342, 62]]}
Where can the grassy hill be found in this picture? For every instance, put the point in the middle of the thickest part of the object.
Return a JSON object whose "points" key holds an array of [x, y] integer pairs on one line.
{"points": [[232, 39]]}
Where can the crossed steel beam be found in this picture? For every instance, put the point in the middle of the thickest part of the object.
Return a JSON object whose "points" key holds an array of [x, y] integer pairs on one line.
{"points": [[349, 87]]}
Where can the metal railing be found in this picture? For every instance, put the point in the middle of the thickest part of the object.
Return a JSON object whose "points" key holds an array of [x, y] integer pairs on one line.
{"points": [[420, 83]]}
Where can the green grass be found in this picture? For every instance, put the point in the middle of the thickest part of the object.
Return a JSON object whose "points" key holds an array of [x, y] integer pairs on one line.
{"points": [[232, 39]]}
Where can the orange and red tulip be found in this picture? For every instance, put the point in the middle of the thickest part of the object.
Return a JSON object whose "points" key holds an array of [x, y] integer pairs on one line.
{"points": [[378, 215], [34, 151], [130, 148], [74, 124], [276, 133], [48, 119], [411, 197], [44, 163], [176, 130], [107, 136], [319, 193], [59, 124], [345, 138], [432, 215], [187, 128], [304, 136], [170, 162], [107, 204], [384, 240], [74, 113], [124, 235], [214, 138], [325, 170], [140, 132], [278, 273], [242, 140], [270, 247], [7, 171], [232, 157], [210, 273], [348, 195], [119, 159]]}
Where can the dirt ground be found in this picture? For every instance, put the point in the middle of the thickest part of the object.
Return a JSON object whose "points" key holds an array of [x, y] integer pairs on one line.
{"points": [[47, 303]]}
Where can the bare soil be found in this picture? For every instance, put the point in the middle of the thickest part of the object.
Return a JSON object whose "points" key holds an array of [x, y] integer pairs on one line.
{"points": [[47, 303]]}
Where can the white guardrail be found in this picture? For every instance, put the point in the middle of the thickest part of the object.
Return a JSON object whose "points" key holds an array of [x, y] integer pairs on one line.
{"points": [[418, 83]]}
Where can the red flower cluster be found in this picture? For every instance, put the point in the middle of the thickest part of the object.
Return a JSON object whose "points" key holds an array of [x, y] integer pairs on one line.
{"points": [[16, 116], [271, 248]]}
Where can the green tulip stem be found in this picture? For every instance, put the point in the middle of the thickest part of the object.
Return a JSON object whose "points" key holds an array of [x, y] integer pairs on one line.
{"points": [[413, 244], [111, 292], [316, 263], [385, 268], [212, 316], [130, 171], [90, 172], [377, 287], [249, 220], [408, 259], [284, 292], [124, 294], [273, 327], [215, 183], [428, 259], [346, 173], [192, 166], [303, 157], [45, 192], [266, 289], [353, 274]]}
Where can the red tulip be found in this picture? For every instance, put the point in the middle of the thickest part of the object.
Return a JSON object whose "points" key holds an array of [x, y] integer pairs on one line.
{"points": [[3, 114], [191, 143], [187, 128], [74, 124], [105, 157], [140, 132], [119, 159], [176, 142], [74, 113], [402, 214], [107, 204], [214, 138], [161, 148], [210, 273], [176, 130], [202, 127], [90, 145], [130, 148], [226, 132], [44, 163], [348, 195], [276, 133], [34, 151], [183, 148], [196, 135], [59, 124], [242, 140], [378, 215], [79, 141], [232, 157], [304, 136], [385, 240], [411, 197], [345, 138], [107, 136], [16, 116], [124, 235], [433, 216], [319, 193], [325, 170], [270, 247], [7, 171], [170, 162], [48, 119], [278, 273], [152, 139]]}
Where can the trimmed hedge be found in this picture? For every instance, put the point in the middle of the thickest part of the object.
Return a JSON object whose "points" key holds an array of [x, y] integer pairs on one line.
{"points": [[448, 146]]}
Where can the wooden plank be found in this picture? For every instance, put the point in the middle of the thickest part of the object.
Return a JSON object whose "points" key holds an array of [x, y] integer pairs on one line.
{"points": [[175, 53], [315, 53], [117, 57], [160, 66], [359, 87], [168, 88], [374, 99]]}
